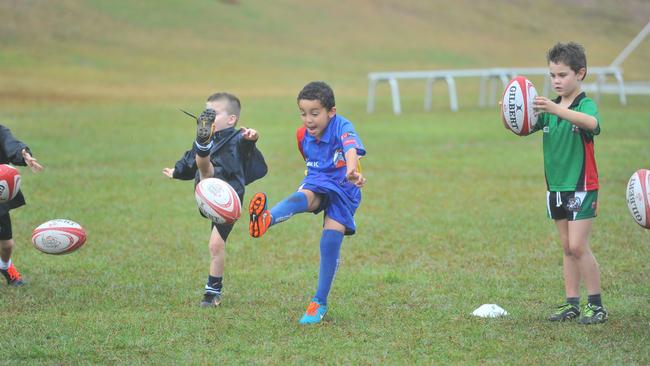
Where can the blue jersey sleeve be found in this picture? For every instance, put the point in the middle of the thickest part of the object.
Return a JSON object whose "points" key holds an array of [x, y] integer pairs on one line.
{"points": [[350, 139]]}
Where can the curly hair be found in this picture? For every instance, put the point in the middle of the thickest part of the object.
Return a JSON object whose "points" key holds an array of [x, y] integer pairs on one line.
{"points": [[571, 54], [318, 90]]}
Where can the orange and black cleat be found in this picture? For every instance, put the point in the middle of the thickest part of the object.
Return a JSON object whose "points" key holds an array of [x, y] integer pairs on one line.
{"points": [[13, 276], [259, 215]]}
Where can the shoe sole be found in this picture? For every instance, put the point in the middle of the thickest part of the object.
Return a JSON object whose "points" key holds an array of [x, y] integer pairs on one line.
{"points": [[255, 210], [203, 131], [204, 128]]}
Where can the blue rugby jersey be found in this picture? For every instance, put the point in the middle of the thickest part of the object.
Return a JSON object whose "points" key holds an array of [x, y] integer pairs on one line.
{"points": [[325, 157]]}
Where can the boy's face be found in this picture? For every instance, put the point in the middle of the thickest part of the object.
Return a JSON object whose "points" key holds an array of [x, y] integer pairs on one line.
{"points": [[314, 116], [223, 120], [565, 81]]}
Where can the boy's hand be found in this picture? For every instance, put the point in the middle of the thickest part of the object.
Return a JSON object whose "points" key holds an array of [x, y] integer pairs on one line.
{"points": [[249, 134], [31, 162], [356, 178], [543, 104], [505, 125], [168, 172]]}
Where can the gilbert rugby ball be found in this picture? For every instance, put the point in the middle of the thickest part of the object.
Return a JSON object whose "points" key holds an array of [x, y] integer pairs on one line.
{"points": [[517, 111], [638, 197], [58, 236], [9, 182], [218, 201]]}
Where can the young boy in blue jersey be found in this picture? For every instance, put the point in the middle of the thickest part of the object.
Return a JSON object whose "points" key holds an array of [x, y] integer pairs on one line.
{"points": [[331, 149], [223, 152]]}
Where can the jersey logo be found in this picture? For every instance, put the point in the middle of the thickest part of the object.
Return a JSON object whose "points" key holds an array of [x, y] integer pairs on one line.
{"points": [[545, 129], [574, 204], [338, 160]]}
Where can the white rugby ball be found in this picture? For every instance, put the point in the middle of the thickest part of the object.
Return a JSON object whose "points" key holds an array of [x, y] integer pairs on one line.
{"points": [[517, 111], [638, 197], [58, 236], [218, 201], [9, 182]]}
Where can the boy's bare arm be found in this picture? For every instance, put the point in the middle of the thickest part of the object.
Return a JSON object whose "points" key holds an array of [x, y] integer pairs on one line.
{"points": [[352, 168], [582, 120]]}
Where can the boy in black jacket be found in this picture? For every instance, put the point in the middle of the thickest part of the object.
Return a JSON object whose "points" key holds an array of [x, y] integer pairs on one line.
{"points": [[13, 152], [222, 152]]}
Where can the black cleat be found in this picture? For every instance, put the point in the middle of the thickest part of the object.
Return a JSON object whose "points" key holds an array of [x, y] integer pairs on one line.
{"points": [[592, 314], [565, 312], [204, 126], [211, 300]]}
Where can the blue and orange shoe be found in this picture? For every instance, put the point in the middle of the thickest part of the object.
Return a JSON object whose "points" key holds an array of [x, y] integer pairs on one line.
{"points": [[260, 217], [13, 276], [314, 314]]}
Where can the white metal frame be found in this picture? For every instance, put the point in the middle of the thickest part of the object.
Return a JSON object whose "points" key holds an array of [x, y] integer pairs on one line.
{"points": [[493, 76]]}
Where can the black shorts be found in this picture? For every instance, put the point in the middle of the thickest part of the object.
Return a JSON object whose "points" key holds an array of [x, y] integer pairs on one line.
{"points": [[223, 229], [5, 227], [572, 206]]}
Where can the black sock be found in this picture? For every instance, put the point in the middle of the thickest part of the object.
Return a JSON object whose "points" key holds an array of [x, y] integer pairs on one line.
{"points": [[595, 300], [214, 284], [575, 301]]}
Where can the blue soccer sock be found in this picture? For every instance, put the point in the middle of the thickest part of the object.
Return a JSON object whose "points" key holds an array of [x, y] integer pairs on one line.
{"points": [[330, 247], [296, 203]]}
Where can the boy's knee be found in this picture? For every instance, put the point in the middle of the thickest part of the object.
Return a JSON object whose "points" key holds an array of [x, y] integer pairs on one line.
{"points": [[6, 244], [216, 247], [576, 250], [313, 199]]}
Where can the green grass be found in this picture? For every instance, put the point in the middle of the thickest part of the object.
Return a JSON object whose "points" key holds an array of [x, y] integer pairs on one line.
{"points": [[453, 215]]}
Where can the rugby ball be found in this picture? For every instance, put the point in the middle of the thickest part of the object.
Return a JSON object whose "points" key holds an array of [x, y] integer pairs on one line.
{"points": [[638, 197], [218, 201], [58, 236], [517, 111], [9, 182]]}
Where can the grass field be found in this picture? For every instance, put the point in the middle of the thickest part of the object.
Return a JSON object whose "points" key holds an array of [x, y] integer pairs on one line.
{"points": [[453, 215]]}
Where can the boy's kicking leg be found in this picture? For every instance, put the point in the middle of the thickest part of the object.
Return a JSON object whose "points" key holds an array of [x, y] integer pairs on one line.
{"points": [[204, 131], [261, 218], [330, 248]]}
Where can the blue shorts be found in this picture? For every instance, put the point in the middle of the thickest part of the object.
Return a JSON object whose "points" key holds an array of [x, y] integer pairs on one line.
{"points": [[336, 206]]}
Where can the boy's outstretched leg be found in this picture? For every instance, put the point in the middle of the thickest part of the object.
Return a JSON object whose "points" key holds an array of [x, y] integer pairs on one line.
{"points": [[261, 218], [330, 248]]}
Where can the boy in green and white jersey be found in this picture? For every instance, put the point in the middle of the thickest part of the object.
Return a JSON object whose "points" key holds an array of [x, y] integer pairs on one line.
{"points": [[570, 123]]}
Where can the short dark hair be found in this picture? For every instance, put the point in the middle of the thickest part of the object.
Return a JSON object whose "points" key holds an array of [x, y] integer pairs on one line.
{"points": [[318, 90], [571, 54], [233, 106]]}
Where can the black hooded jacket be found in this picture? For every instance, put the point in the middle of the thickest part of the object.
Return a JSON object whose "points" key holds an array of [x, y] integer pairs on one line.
{"points": [[11, 153], [235, 160]]}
